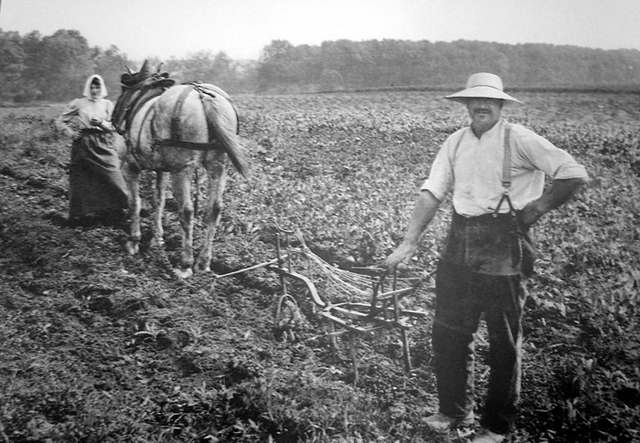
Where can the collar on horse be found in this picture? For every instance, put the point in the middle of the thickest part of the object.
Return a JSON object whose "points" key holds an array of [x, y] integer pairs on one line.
{"points": [[149, 85]]}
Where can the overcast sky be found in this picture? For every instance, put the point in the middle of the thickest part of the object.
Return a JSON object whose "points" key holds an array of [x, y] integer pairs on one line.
{"points": [[241, 28]]}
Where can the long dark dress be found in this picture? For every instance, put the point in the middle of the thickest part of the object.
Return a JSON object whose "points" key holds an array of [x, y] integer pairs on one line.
{"points": [[96, 183]]}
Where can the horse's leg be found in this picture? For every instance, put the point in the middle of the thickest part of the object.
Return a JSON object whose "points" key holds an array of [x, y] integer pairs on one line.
{"points": [[131, 172], [159, 200], [217, 174], [182, 194]]}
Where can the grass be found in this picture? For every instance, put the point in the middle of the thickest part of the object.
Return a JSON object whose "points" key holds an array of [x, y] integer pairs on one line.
{"points": [[99, 346]]}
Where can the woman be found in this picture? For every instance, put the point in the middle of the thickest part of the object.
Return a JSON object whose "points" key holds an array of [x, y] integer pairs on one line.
{"points": [[97, 189]]}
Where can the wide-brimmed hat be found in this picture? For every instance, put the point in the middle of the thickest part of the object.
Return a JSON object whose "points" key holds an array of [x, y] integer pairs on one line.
{"points": [[482, 85]]}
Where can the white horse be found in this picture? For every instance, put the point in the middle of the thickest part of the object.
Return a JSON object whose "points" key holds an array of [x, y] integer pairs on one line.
{"points": [[172, 130]]}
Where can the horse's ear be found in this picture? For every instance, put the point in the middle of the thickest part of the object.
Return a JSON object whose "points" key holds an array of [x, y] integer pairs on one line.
{"points": [[145, 67], [159, 67], [128, 70]]}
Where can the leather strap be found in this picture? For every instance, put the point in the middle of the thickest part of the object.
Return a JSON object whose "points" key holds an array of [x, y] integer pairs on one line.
{"points": [[506, 171], [176, 129], [506, 163]]}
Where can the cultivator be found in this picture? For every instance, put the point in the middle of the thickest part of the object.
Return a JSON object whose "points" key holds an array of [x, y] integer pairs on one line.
{"points": [[351, 303]]}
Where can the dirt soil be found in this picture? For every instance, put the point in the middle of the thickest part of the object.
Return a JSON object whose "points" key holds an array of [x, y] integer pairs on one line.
{"points": [[102, 346], [97, 345]]}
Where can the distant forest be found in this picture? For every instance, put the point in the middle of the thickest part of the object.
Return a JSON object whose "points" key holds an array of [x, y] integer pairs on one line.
{"points": [[53, 68]]}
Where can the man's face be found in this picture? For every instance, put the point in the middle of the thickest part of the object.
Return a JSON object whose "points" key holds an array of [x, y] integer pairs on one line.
{"points": [[484, 113]]}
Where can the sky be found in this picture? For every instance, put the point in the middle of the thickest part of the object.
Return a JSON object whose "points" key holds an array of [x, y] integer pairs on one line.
{"points": [[242, 28]]}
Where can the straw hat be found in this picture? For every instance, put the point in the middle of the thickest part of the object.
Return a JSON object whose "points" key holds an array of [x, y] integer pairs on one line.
{"points": [[482, 85]]}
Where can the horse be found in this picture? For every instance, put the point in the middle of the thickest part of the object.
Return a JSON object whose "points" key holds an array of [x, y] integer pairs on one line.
{"points": [[173, 129]]}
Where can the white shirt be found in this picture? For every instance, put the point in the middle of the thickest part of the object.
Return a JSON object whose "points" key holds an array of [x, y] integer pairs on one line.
{"points": [[80, 111], [472, 169]]}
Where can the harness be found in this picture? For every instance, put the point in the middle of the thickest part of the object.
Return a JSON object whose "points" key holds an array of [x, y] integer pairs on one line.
{"points": [[147, 92], [204, 92], [156, 88]]}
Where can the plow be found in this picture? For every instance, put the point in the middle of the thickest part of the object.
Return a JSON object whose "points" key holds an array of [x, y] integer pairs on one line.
{"points": [[350, 303]]}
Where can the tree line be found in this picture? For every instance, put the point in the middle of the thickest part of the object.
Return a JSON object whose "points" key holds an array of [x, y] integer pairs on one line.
{"points": [[349, 65], [54, 67]]}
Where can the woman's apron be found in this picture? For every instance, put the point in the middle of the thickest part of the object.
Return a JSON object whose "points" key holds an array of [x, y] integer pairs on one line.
{"points": [[96, 182]]}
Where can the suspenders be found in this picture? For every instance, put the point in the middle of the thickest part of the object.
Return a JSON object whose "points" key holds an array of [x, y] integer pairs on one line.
{"points": [[506, 172], [506, 168], [493, 243]]}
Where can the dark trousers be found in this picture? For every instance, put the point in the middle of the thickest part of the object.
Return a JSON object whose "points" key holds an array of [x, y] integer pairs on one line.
{"points": [[461, 299]]}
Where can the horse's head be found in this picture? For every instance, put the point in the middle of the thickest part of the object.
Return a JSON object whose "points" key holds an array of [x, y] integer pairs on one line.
{"points": [[134, 84]]}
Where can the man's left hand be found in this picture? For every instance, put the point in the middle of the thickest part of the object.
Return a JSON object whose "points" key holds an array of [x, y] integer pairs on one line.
{"points": [[532, 212], [559, 193]]}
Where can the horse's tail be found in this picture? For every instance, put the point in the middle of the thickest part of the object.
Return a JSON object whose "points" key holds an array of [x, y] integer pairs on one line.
{"points": [[227, 138]]}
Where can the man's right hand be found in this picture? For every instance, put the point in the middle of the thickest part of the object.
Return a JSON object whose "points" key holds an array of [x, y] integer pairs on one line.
{"points": [[403, 253], [426, 206]]}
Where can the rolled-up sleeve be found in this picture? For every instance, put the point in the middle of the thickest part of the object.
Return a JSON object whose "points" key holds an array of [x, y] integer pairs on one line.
{"points": [[544, 156], [67, 122]]}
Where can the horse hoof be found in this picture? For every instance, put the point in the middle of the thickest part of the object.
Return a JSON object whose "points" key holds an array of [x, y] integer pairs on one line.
{"points": [[156, 242], [133, 248], [202, 268], [183, 273]]}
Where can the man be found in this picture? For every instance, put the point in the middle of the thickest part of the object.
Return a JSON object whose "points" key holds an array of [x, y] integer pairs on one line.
{"points": [[496, 171]]}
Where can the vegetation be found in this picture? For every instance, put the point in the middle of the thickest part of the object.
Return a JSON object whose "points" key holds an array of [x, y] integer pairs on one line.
{"points": [[54, 68], [102, 347], [348, 65]]}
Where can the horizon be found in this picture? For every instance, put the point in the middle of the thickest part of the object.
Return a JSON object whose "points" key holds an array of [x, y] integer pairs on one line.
{"points": [[242, 28]]}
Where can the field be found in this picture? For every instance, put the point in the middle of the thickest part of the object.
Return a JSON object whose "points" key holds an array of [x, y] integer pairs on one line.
{"points": [[98, 346]]}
